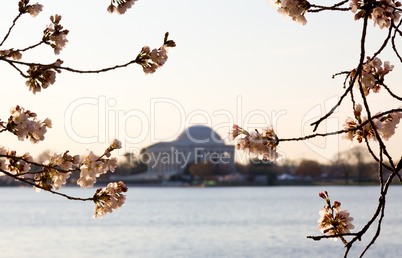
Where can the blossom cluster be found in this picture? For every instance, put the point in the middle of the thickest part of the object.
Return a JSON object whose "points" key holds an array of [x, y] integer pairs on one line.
{"points": [[385, 125], [334, 220], [92, 166], [54, 35], [382, 12], [261, 144], [109, 198], [152, 60], [41, 76], [14, 54], [372, 75], [33, 10], [24, 124], [56, 170], [9, 163], [121, 6], [295, 9]]}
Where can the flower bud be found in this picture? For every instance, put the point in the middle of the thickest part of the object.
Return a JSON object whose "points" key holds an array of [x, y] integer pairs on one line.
{"points": [[322, 195], [336, 204], [358, 110]]}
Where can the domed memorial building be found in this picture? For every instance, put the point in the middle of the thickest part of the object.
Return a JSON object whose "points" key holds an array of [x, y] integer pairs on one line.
{"points": [[197, 144]]}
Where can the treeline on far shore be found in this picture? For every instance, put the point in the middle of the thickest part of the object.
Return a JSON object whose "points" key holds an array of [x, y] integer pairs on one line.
{"points": [[352, 167]]}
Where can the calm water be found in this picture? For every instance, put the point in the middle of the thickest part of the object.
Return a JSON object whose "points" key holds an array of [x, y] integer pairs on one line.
{"points": [[189, 222]]}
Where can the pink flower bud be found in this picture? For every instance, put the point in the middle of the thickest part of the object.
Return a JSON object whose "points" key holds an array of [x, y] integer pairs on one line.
{"points": [[322, 195]]}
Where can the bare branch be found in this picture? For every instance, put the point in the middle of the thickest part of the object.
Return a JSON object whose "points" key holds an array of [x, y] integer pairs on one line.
{"points": [[358, 73], [9, 30], [335, 7], [76, 70], [391, 93]]}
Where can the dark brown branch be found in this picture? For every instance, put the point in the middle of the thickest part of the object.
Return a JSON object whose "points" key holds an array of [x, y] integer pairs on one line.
{"points": [[346, 77], [377, 135], [314, 135], [384, 44], [358, 72], [9, 30], [335, 7], [30, 47], [318, 238], [51, 191], [38, 164], [380, 161], [76, 70], [16, 68], [340, 131], [377, 233], [316, 123], [393, 40], [391, 93]]}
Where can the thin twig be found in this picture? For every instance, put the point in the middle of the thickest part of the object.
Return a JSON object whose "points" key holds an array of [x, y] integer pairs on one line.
{"points": [[358, 72], [48, 190], [76, 70], [393, 40], [391, 93], [384, 44], [9, 30], [16, 68], [340, 131], [334, 7]]}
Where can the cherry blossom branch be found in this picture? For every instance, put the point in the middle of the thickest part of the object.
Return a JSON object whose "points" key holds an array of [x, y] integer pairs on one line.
{"points": [[358, 235], [21, 158], [53, 66], [40, 76], [140, 59], [379, 212], [368, 77], [54, 172], [380, 209], [377, 135], [358, 72], [24, 180], [360, 126]]}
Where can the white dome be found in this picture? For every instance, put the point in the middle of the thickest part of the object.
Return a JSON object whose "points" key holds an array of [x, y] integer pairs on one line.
{"points": [[199, 134]]}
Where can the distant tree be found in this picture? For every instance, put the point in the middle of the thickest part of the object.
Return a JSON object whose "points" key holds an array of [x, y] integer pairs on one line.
{"points": [[257, 167], [355, 163], [309, 168], [135, 164]]}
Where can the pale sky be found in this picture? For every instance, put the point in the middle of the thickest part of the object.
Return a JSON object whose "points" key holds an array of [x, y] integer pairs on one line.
{"points": [[235, 62]]}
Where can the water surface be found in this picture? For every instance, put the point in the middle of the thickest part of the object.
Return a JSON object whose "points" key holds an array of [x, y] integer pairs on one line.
{"points": [[190, 222]]}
